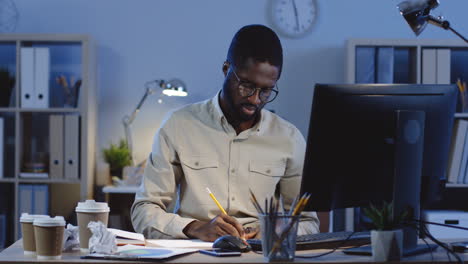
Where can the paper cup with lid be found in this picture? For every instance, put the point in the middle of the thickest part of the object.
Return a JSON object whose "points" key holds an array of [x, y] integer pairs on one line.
{"points": [[86, 212], [48, 232], [27, 229]]}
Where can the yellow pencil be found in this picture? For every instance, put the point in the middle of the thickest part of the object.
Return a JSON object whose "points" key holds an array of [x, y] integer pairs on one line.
{"points": [[215, 200]]}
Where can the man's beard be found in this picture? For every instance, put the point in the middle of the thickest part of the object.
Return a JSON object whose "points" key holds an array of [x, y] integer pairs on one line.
{"points": [[236, 110]]}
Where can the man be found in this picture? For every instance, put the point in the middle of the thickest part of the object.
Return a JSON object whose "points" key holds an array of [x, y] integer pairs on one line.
{"points": [[228, 144]]}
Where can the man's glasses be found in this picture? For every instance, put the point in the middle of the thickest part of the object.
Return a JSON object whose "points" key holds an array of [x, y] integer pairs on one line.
{"points": [[247, 89]]}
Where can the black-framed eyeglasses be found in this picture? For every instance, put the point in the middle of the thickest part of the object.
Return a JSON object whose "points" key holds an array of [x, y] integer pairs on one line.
{"points": [[247, 89]]}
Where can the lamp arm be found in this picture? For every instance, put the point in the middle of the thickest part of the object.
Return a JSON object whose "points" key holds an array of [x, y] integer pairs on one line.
{"points": [[127, 120], [445, 25]]}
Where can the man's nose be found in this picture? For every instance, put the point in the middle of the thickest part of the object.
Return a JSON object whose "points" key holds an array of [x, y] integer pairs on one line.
{"points": [[255, 98]]}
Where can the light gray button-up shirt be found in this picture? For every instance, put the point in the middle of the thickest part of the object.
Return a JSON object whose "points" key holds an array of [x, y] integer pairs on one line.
{"points": [[196, 148]]}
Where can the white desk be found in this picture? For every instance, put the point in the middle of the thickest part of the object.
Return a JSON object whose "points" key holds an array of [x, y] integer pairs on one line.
{"points": [[120, 189]]}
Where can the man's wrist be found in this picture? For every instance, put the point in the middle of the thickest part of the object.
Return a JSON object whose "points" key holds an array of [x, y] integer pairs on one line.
{"points": [[189, 229]]}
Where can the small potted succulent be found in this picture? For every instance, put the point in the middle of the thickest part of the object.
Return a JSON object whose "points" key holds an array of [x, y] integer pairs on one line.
{"points": [[387, 235], [117, 156]]}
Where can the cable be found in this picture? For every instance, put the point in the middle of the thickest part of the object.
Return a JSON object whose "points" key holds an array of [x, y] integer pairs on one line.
{"points": [[446, 225], [443, 245]]}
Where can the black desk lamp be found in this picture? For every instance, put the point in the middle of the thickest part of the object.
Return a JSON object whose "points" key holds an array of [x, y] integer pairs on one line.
{"points": [[174, 87], [417, 15]]}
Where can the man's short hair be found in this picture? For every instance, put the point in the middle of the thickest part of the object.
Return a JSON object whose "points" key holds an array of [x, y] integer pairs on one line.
{"points": [[257, 42]]}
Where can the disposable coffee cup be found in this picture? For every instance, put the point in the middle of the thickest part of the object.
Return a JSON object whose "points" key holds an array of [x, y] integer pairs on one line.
{"points": [[86, 212], [48, 234], [29, 243]]}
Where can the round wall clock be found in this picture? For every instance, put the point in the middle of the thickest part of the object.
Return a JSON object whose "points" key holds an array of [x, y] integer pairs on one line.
{"points": [[293, 18]]}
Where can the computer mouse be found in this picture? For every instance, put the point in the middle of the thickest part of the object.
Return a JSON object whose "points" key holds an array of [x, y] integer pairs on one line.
{"points": [[231, 243]]}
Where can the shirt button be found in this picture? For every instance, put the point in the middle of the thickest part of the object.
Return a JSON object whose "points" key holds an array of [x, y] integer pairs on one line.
{"points": [[268, 171], [233, 198], [233, 171], [196, 163]]}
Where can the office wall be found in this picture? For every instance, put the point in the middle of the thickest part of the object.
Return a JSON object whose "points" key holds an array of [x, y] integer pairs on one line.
{"points": [[142, 40]]}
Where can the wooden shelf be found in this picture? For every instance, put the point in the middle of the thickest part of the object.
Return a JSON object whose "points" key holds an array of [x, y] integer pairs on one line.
{"points": [[7, 180], [48, 180], [456, 185]]}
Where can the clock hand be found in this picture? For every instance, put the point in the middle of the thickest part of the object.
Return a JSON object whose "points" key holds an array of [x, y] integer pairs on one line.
{"points": [[296, 14]]}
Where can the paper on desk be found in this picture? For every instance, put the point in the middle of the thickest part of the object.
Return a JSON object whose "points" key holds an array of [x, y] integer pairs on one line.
{"points": [[126, 234], [132, 252], [179, 243], [151, 252]]}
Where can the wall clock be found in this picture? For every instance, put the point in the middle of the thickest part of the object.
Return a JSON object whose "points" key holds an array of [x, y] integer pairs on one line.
{"points": [[293, 18]]}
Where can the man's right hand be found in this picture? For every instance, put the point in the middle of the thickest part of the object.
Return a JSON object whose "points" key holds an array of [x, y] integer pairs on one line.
{"points": [[219, 226]]}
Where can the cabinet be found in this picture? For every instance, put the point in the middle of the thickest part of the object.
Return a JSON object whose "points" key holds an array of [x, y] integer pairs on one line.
{"points": [[411, 61], [48, 115]]}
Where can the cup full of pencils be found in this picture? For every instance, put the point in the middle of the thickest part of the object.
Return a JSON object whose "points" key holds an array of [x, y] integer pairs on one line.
{"points": [[278, 236], [278, 227]]}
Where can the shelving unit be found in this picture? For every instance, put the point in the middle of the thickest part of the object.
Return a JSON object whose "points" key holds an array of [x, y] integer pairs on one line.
{"points": [[30, 141], [422, 61]]}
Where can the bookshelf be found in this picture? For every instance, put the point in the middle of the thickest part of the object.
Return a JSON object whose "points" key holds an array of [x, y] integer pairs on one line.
{"points": [[425, 61], [49, 115]]}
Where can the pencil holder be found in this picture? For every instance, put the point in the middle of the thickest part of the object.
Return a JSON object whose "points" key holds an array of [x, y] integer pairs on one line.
{"points": [[278, 236]]}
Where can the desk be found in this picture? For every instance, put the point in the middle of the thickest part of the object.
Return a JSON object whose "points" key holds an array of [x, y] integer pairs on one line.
{"points": [[120, 200], [14, 254]]}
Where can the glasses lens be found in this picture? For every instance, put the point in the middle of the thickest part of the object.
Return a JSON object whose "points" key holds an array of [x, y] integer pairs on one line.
{"points": [[246, 89]]}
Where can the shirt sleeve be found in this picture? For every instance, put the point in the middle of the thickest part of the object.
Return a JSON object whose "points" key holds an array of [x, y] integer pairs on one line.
{"points": [[152, 212], [290, 184]]}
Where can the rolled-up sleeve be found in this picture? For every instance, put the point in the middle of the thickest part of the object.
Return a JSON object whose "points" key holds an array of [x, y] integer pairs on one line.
{"points": [[153, 210]]}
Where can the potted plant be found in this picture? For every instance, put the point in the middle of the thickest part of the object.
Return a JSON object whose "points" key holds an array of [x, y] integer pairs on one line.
{"points": [[387, 237], [117, 156]]}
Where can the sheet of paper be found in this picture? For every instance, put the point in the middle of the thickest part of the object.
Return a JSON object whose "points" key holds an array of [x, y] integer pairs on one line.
{"points": [[132, 252], [151, 252], [126, 234], [179, 243]]}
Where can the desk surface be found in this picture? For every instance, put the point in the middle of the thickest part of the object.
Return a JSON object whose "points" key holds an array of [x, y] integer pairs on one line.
{"points": [[14, 254]]}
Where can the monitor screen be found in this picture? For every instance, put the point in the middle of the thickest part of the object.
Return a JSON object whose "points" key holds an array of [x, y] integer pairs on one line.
{"points": [[351, 155]]}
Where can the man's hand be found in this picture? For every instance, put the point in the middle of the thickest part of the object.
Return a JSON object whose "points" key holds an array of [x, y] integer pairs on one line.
{"points": [[219, 226]]}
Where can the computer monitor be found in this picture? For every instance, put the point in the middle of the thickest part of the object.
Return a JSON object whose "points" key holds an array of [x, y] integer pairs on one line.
{"points": [[370, 143]]}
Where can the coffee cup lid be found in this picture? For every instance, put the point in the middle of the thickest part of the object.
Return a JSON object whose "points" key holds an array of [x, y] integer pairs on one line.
{"points": [[29, 218], [49, 221], [91, 206]]}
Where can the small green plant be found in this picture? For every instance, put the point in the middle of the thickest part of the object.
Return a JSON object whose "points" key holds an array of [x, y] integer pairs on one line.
{"points": [[383, 219], [118, 156]]}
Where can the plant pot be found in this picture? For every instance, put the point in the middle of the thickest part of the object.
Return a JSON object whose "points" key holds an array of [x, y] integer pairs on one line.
{"points": [[387, 245], [116, 172]]}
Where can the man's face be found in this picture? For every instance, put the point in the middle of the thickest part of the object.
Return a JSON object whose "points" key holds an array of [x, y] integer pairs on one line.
{"points": [[259, 74]]}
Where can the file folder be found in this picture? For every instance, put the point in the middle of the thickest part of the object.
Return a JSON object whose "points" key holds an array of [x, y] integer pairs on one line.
{"points": [[25, 202], [41, 77], [27, 77], [56, 145], [72, 151], [40, 199]]}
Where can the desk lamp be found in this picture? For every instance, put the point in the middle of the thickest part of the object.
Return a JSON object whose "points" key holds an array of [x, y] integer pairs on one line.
{"points": [[417, 15], [174, 87]]}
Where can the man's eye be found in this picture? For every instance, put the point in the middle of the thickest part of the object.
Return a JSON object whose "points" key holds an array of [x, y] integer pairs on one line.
{"points": [[248, 85]]}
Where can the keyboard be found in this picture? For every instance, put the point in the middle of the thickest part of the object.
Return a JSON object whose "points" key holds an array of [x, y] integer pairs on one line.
{"points": [[323, 240]]}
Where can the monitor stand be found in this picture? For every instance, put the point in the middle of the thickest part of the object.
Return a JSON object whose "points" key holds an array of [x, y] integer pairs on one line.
{"points": [[409, 144]]}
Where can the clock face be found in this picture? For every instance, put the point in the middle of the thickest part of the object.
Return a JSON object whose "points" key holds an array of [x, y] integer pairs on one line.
{"points": [[293, 18]]}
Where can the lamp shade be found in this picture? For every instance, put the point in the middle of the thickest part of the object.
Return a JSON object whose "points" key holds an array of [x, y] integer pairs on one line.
{"points": [[416, 13], [174, 87]]}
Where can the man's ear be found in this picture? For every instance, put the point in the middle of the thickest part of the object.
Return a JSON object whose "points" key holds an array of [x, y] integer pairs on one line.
{"points": [[225, 67]]}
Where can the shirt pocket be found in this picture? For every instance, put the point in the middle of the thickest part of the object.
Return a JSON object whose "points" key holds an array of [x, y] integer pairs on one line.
{"points": [[264, 176], [200, 171], [200, 162]]}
